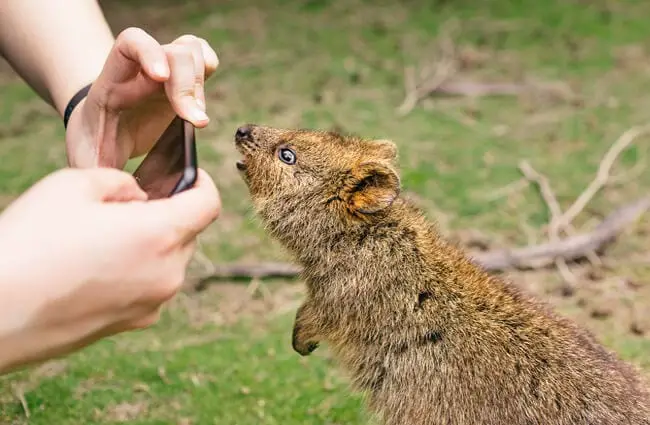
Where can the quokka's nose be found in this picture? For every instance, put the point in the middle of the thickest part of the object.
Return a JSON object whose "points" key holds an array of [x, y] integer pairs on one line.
{"points": [[243, 132]]}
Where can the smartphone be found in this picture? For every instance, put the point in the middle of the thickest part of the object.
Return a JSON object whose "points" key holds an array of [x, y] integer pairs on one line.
{"points": [[170, 166]]}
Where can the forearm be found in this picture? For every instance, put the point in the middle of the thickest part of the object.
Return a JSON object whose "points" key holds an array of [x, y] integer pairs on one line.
{"points": [[56, 47], [38, 328], [18, 308]]}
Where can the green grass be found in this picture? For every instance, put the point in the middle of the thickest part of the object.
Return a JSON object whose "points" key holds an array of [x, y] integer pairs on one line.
{"points": [[232, 377], [339, 64]]}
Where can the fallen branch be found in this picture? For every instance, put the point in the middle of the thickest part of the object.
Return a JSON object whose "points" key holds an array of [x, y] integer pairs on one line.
{"points": [[537, 256], [247, 271], [478, 89], [570, 249]]}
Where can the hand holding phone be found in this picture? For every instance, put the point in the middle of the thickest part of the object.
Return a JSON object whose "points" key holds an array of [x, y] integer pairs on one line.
{"points": [[171, 165]]}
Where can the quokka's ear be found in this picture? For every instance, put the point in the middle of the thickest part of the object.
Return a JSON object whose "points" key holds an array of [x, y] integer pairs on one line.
{"points": [[371, 187], [384, 149]]}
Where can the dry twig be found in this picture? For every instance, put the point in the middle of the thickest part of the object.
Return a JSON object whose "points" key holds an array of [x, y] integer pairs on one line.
{"points": [[556, 212], [19, 393], [437, 75], [634, 172], [446, 66], [203, 260], [603, 173], [256, 286], [506, 190]]}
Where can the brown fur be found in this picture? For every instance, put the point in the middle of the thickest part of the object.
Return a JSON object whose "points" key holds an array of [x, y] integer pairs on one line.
{"points": [[431, 337]]}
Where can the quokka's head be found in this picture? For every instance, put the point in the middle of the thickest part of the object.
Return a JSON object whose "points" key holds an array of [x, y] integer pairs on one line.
{"points": [[289, 170]]}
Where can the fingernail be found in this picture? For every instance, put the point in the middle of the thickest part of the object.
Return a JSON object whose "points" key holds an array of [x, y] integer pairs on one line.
{"points": [[201, 104], [160, 69], [199, 115]]}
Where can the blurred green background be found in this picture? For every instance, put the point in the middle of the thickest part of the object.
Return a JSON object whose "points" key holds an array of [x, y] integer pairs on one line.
{"points": [[223, 355]]}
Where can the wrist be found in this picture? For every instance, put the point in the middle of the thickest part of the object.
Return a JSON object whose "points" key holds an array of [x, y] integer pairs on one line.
{"points": [[91, 134], [74, 101]]}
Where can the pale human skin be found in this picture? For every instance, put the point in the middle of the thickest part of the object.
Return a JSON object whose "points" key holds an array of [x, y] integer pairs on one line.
{"points": [[83, 253], [60, 47]]}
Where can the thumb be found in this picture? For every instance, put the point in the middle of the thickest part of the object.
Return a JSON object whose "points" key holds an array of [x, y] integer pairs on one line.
{"points": [[112, 185], [189, 212]]}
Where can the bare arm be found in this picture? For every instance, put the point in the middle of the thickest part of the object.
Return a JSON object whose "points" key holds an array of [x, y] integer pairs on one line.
{"points": [[56, 47]]}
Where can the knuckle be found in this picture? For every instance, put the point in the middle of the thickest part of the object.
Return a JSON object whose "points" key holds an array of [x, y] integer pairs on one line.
{"points": [[209, 55], [216, 204], [215, 62], [129, 34], [192, 46], [169, 287], [157, 238], [215, 210], [191, 247], [70, 177], [184, 93], [172, 239], [186, 38], [165, 241], [207, 217], [64, 174], [147, 320], [178, 52], [164, 288]]}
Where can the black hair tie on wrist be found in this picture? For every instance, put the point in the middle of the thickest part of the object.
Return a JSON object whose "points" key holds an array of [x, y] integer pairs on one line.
{"points": [[73, 103]]}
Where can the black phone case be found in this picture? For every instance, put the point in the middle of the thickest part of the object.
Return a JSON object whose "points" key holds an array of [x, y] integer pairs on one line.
{"points": [[171, 165]]}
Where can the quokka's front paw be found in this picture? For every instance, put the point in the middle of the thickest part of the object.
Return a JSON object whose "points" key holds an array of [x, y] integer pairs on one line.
{"points": [[302, 347], [306, 348]]}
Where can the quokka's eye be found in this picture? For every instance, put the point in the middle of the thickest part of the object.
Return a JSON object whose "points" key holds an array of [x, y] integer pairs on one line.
{"points": [[287, 156]]}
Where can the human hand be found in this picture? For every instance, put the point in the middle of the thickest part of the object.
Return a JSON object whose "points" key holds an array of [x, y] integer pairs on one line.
{"points": [[84, 255], [142, 86]]}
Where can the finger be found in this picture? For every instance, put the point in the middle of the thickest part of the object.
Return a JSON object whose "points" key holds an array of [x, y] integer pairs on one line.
{"points": [[140, 317], [113, 185], [146, 321], [135, 49], [180, 85], [136, 59], [188, 213], [194, 46], [210, 58]]}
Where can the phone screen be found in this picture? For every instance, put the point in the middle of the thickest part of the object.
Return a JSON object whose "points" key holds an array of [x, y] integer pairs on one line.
{"points": [[170, 166]]}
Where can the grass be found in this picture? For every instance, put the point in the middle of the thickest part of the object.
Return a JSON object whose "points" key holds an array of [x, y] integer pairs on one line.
{"points": [[231, 378], [336, 64]]}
